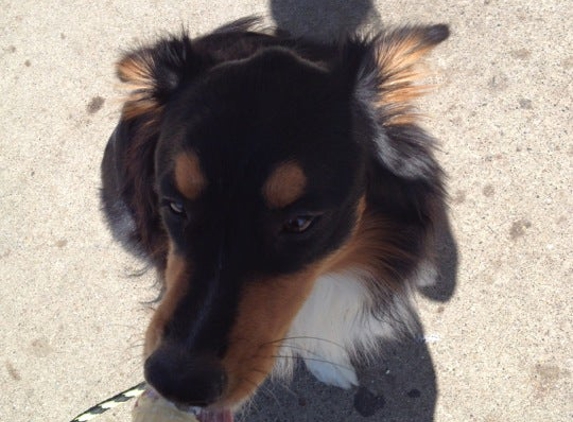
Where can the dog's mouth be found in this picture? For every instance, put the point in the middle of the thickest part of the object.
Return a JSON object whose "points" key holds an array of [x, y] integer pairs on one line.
{"points": [[151, 402]]}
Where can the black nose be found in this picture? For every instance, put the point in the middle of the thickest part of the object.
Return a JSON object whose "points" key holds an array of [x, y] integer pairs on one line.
{"points": [[183, 378]]}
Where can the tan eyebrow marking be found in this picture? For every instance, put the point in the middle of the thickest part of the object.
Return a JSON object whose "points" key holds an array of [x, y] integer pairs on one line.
{"points": [[189, 177], [285, 185]]}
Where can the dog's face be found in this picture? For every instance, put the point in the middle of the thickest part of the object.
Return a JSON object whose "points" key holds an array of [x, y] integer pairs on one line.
{"points": [[260, 179], [262, 169]]}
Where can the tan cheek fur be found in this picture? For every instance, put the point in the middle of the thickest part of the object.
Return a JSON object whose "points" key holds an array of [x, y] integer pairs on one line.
{"points": [[266, 310], [175, 288]]}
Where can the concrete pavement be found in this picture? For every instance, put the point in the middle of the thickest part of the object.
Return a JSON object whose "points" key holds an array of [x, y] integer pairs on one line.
{"points": [[497, 344]]}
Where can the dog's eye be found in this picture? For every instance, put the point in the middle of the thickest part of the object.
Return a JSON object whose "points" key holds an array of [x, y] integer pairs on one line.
{"points": [[176, 207], [299, 224]]}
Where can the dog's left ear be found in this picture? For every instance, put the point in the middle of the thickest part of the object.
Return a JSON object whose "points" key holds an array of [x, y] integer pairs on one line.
{"points": [[152, 74], [387, 81], [404, 186]]}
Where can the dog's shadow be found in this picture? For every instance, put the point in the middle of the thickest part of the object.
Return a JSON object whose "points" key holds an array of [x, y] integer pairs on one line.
{"points": [[322, 19], [401, 385]]}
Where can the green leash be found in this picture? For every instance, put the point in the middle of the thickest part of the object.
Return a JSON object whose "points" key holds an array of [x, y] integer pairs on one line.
{"points": [[110, 403]]}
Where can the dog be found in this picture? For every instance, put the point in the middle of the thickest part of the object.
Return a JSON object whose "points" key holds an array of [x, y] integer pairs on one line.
{"points": [[287, 196]]}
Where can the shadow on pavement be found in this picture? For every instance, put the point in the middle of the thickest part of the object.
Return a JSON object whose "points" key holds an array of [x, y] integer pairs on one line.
{"points": [[322, 19]]}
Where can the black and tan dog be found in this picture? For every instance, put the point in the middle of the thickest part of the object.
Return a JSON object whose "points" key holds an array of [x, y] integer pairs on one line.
{"points": [[286, 195]]}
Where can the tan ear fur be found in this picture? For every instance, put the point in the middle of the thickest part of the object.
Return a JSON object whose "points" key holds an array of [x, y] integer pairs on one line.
{"points": [[136, 72], [397, 57]]}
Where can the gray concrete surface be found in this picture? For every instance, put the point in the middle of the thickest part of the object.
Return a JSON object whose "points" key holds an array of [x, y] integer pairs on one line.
{"points": [[499, 331]]}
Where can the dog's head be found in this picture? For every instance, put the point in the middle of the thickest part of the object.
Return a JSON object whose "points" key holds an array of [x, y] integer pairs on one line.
{"points": [[254, 165]]}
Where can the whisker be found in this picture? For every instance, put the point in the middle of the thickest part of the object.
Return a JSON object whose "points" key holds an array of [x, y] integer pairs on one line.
{"points": [[285, 386], [304, 338], [249, 404], [265, 388], [260, 389], [301, 349], [316, 360], [135, 345], [282, 384]]}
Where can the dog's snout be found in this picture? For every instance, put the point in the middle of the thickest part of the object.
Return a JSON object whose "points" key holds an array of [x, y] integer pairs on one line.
{"points": [[184, 378]]}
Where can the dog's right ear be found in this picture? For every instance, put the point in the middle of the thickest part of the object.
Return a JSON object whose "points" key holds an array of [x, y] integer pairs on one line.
{"points": [[152, 74]]}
